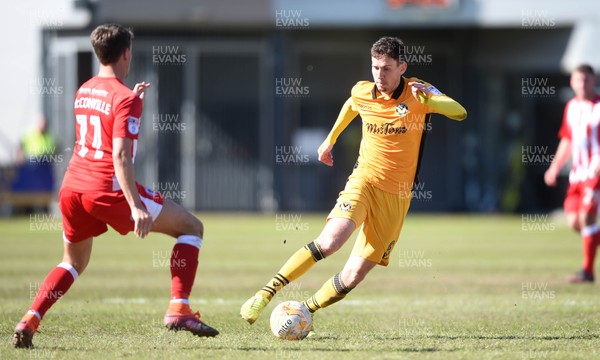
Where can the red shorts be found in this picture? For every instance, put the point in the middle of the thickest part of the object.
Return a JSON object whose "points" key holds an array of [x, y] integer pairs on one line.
{"points": [[88, 214], [583, 197]]}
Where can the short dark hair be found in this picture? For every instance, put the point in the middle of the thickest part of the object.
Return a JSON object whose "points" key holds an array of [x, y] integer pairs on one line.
{"points": [[585, 68], [388, 46], [110, 41]]}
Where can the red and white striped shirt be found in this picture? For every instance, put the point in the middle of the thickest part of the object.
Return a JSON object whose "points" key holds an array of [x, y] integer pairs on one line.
{"points": [[581, 125]]}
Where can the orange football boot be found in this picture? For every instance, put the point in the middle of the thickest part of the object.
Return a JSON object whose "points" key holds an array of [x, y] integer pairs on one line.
{"points": [[25, 330]]}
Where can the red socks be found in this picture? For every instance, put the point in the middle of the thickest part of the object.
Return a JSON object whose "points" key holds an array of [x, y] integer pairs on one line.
{"points": [[184, 262], [56, 284], [591, 240]]}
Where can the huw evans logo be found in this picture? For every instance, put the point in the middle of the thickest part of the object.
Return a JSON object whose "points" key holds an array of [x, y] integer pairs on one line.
{"points": [[45, 86], [44, 222], [167, 123], [165, 258], [290, 222], [537, 87], [167, 55], [414, 258], [416, 55], [537, 19], [537, 291], [290, 155], [536, 155], [291, 87], [291, 19], [537, 222], [169, 190]]}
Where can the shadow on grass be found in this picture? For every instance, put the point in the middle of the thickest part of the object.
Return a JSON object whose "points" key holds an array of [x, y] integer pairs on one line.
{"points": [[327, 349], [494, 337]]}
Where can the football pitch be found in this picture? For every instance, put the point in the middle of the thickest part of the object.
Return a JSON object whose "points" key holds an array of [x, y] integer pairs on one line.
{"points": [[458, 287]]}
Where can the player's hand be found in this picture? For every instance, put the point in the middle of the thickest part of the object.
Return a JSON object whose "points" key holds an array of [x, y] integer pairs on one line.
{"points": [[550, 176], [597, 171], [419, 87], [140, 89], [325, 154], [142, 220]]}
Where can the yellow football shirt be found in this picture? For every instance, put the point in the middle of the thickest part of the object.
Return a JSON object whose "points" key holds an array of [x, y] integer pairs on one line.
{"points": [[392, 130]]}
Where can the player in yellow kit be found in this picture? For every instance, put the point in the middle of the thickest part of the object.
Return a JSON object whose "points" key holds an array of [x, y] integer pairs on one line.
{"points": [[395, 116]]}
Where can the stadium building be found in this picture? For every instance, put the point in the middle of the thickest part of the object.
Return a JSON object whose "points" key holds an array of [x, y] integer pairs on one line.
{"points": [[243, 92]]}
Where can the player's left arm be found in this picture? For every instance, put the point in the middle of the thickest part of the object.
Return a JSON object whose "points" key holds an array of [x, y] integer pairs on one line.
{"points": [[440, 103], [124, 171], [125, 132]]}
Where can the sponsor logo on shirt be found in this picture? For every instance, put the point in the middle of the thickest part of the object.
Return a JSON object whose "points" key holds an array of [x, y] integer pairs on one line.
{"points": [[385, 129]]}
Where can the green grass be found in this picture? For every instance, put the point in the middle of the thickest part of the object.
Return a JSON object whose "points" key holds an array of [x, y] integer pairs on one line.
{"points": [[458, 287]]}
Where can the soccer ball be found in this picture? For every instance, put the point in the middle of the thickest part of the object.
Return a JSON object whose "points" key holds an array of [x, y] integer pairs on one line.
{"points": [[291, 320]]}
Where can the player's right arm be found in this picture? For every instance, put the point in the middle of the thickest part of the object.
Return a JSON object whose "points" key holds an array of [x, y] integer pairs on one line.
{"points": [[347, 114], [563, 152]]}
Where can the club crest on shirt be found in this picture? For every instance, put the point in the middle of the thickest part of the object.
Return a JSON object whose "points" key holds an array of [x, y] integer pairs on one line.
{"points": [[133, 125], [387, 252], [345, 206], [401, 109]]}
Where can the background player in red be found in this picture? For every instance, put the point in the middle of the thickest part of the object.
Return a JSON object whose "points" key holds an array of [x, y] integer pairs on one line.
{"points": [[99, 189], [580, 140]]}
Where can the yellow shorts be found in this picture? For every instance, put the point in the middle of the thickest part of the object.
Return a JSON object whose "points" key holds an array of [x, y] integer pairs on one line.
{"points": [[380, 213]]}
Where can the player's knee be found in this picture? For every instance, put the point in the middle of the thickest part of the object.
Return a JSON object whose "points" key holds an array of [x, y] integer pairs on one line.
{"points": [[327, 245], [79, 268], [581, 224], [351, 278], [573, 222], [78, 265], [196, 227], [330, 243], [588, 219]]}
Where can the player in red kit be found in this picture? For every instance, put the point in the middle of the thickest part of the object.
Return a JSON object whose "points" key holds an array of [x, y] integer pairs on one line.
{"points": [[99, 189], [580, 141]]}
